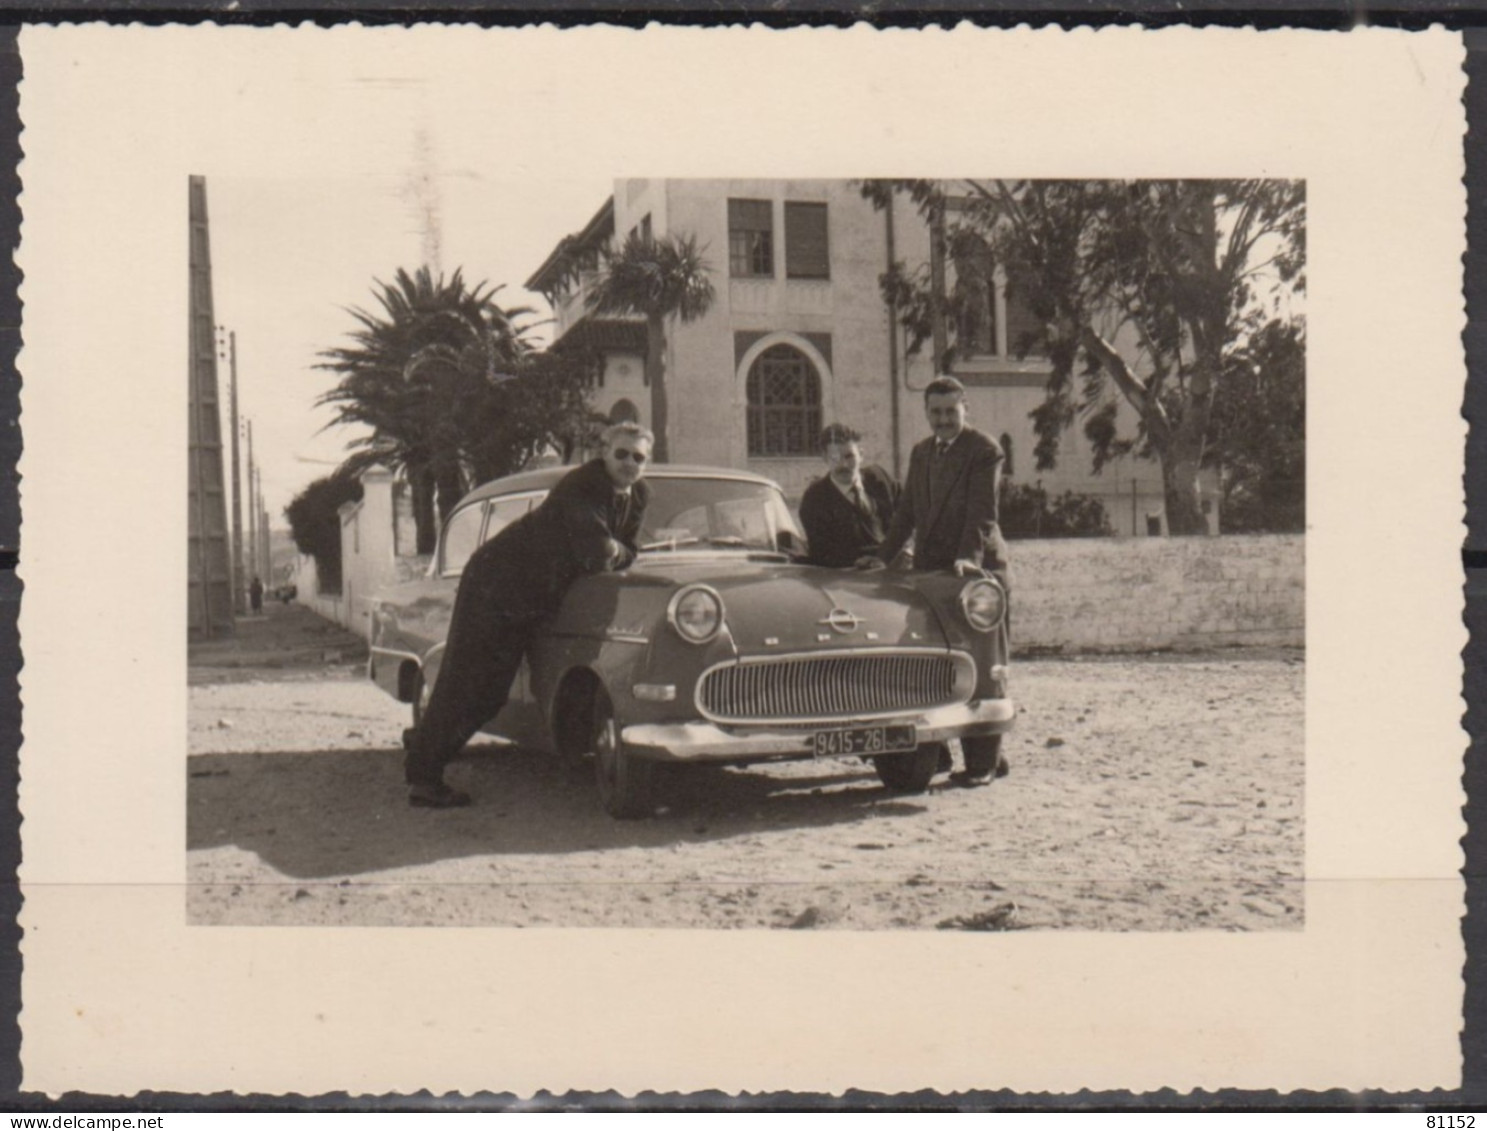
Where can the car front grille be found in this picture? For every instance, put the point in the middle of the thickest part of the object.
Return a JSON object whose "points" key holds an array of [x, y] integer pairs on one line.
{"points": [[810, 688]]}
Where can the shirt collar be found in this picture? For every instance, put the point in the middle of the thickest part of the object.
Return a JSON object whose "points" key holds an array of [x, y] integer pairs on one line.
{"points": [[847, 490]]}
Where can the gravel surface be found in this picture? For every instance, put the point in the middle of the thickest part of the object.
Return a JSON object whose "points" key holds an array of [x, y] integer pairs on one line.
{"points": [[1146, 793]]}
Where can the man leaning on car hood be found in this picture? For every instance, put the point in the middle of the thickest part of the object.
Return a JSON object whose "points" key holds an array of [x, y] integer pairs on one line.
{"points": [[588, 524]]}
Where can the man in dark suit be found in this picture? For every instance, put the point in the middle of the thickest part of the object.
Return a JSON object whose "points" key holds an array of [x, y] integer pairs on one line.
{"points": [[949, 505], [587, 524], [846, 512]]}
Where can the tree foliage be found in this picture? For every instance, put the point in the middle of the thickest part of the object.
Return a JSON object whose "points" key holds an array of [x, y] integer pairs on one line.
{"points": [[1146, 290], [657, 278], [450, 390], [546, 407], [315, 523], [1027, 511], [1259, 419]]}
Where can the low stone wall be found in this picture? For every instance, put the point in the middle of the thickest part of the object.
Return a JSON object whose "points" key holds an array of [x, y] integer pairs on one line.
{"points": [[1133, 594], [330, 607], [1114, 594]]}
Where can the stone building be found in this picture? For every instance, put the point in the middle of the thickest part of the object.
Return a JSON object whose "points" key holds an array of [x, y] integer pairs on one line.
{"points": [[800, 336]]}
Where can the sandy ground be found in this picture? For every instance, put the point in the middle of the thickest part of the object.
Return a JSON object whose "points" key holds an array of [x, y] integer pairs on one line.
{"points": [[1146, 793]]}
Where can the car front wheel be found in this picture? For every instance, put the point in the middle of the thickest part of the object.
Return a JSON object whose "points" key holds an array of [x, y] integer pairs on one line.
{"points": [[911, 772], [626, 783]]}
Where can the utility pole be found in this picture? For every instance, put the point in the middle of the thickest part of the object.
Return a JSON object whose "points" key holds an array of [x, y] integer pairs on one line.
{"points": [[240, 588], [234, 560], [265, 549], [252, 503]]}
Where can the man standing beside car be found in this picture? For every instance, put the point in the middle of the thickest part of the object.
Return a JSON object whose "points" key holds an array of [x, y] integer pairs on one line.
{"points": [[949, 505], [846, 512], [587, 524]]}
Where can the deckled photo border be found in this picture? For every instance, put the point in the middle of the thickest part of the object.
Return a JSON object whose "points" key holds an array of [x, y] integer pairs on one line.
{"points": [[61, 966]]}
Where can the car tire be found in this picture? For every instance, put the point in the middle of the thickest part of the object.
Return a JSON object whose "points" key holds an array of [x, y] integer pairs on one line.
{"points": [[911, 772], [626, 783]]}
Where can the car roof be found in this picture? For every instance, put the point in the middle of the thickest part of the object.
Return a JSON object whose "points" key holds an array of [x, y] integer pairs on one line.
{"points": [[544, 478]]}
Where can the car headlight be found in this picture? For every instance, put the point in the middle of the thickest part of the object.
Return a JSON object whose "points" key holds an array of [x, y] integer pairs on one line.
{"points": [[696, 613], [984, 604]]}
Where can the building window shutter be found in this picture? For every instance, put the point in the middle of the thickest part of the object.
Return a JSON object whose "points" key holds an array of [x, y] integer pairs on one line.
{"points": [[1025, 331], [750, 238], [806, 251]]}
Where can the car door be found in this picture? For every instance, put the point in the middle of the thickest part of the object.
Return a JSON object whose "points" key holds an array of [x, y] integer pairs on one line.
{"points": [[411, 621]]}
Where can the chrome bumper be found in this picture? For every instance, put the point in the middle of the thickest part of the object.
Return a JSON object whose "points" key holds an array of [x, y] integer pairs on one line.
{"points": [[703, 741]]}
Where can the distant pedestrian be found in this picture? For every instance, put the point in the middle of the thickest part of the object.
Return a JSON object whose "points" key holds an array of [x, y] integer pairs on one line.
{"points": [[255, 596], [846, 512]]}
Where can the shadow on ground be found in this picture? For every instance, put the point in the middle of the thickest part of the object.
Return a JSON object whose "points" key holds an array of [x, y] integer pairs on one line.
{"points": [[314, 815]]}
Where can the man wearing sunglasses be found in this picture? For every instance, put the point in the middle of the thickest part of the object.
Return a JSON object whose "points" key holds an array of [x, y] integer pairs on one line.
{"points": [[587, 524]]}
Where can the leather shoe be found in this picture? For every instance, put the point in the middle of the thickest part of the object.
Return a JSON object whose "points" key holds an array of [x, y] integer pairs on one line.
{"points": [[437, 796], [968, 779]]}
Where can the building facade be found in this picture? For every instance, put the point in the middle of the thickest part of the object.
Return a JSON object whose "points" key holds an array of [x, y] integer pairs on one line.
{"points": [[800, 336]]}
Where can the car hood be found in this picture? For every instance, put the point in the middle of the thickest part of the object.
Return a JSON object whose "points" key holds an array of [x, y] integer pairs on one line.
{"points": [[790, 607]]}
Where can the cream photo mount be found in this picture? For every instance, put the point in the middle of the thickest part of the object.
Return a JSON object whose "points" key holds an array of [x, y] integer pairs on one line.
{"points": [[120, 994]]}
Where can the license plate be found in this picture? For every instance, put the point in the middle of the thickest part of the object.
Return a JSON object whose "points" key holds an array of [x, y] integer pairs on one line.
{"points": [[843, 741]]}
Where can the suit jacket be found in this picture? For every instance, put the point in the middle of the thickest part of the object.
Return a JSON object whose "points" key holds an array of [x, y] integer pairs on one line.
{"points": [[949, 505], [579, 529], [837, 532]]}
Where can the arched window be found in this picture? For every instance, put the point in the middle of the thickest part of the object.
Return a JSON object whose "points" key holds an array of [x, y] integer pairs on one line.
{"points": [[784, 392], [1006, 442], [623, 412]]}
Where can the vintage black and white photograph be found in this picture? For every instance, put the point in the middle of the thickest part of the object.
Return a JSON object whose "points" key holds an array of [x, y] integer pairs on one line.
{"points": [[765, 553], [649, 578]]}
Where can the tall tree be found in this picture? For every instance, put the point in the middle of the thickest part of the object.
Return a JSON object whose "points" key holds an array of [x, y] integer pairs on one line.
{"points": [[659, 279], [315, 521], [1149, 287], [545, 408], [450, 390], [1259, 427]]}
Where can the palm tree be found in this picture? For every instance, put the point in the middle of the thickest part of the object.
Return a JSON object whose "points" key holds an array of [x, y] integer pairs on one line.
{"points": [[418, 374], [657, 278]]}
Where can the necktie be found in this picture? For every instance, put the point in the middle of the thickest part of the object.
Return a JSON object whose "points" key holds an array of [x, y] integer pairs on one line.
{"points": [[857, 497]]}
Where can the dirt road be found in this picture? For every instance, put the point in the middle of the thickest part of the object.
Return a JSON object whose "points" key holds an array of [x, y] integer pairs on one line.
{"points": [[1147, 793]]}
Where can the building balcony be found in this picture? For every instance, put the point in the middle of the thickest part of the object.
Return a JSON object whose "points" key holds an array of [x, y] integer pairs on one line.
{"points": [[571, 307], [606, 335]]}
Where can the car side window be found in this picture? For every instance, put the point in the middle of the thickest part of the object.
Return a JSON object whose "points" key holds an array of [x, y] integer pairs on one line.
{"points": [[461, 536], [506, 511]]}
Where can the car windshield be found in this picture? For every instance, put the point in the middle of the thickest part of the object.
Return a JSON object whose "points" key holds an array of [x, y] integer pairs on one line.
{"points": [[717, 513]]}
